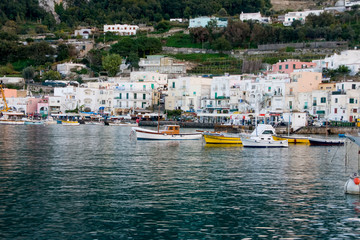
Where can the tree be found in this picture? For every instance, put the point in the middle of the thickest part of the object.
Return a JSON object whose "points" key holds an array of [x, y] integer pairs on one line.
{"points": [[51, 75], [163, 26], [200, 34], [124, 46], [133, 59], [94, 57], [222, 12], [6, 70], [221, 44], [343, 70], [28, 73], [237, 33], [41, 52], [111, 63]]}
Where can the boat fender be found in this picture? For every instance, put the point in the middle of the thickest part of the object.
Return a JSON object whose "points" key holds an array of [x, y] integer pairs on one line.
{"points": [[357, 181]]}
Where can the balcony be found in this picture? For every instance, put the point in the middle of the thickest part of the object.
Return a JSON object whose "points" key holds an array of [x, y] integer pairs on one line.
{"points": [[222, 97], [339, 92]]}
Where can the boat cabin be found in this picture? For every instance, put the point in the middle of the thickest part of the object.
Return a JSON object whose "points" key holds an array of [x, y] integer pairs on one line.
{"points": [[263, 129], [171, 129]]}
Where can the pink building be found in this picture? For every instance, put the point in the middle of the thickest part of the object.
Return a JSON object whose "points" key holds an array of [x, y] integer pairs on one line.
{"points": [[43, 106], [10, 93], [288, 66]]}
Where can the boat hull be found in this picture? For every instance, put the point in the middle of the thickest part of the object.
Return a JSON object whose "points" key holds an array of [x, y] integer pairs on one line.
{"points": [[325, 142], [70, 123], [255, 143], [34, 123], [294, 140], [10, 122], [144, 134], [220, 139]]}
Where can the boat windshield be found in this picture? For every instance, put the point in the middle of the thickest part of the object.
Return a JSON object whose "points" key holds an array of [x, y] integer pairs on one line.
{"points": [[268, 132]]}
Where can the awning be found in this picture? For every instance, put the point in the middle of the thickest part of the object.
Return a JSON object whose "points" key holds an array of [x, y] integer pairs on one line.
{"points": [[320, 112]]}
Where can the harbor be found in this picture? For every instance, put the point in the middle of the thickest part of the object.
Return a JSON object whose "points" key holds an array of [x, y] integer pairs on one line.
{"points": [[116, 187]]}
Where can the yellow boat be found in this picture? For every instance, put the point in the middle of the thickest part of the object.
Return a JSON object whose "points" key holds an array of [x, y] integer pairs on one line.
{"points": [[216, 138], [291, 139]]}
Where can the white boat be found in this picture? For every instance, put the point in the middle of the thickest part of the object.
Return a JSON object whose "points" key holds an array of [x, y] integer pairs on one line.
{"points": [[170, 132], [12, 118], [50, 121], [264, 142], [261, 137], [352, 146], [123, 124], [33, 122]]}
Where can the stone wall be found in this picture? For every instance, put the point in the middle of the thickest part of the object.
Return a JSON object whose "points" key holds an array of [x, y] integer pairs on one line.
{"points": [[173, 50], [310, 45]]}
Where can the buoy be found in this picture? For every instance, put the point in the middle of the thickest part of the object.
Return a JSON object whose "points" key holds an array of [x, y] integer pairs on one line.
{"points": [[357, 181]]}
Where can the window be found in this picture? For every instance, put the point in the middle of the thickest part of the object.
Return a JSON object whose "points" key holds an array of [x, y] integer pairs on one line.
{"points": [[286, 66], [127, 95], [294, 66], [323, 100], [314, 101], [335, 110], [135, 96], [336, 100], [306, 105], [120, 95], [144, 96], [144, 87], [194, 93], [269, 89], [351, 100], [152, 86], [355, 110], [280, 67], [290, 104], [103, 102], [353, 86], [173, 85]]}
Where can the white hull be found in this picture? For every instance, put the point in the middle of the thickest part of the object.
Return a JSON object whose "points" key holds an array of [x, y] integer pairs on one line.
{"points": [[70, 124], [351, 188], [9, 122], [145, 134], [258, 143], [50, 122], [123, 124]]}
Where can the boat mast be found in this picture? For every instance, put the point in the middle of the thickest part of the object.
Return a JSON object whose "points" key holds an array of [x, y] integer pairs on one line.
{"points": [[159, 119]]}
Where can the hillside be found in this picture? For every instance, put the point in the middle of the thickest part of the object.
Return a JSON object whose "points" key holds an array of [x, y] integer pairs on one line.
{"points": [[299, 4]]}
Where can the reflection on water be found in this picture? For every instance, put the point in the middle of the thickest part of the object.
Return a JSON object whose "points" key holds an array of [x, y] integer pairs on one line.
{"points": [[88, 182]]}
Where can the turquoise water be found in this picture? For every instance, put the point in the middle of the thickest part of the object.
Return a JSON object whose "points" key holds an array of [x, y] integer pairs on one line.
{"points": [[94, 182]]}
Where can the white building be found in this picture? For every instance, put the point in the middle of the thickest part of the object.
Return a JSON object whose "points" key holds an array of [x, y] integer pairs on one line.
{"points": [[162, 64], [350, 3], [159, 78], [123, 30], [349, 58], [290, 17], [254, 17], [130, 96], [204, 21], [186, 93], [12, 80], [97, 98], [65, 68], [84, 33]]}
